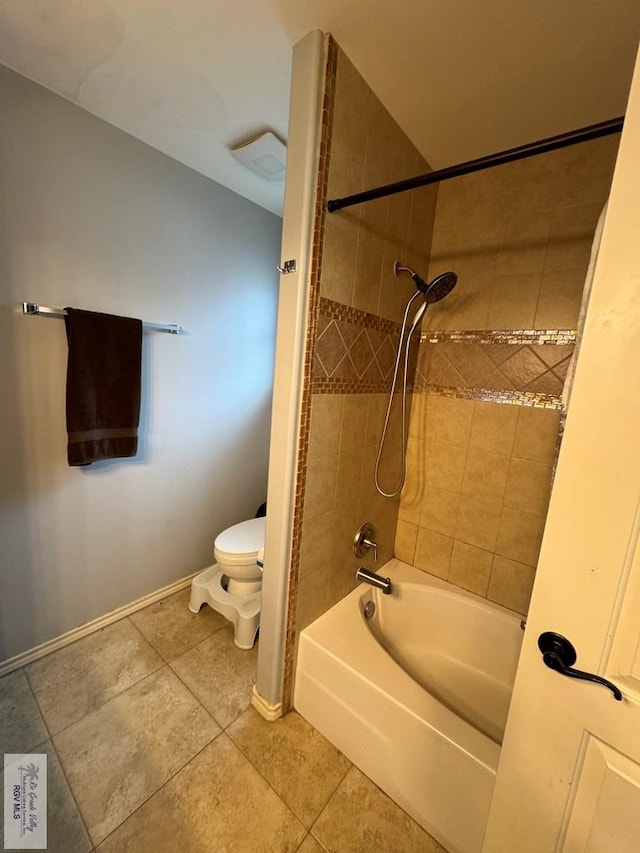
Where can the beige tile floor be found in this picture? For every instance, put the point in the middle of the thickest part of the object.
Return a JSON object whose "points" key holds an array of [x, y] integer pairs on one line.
{"points": [[152, 746]]}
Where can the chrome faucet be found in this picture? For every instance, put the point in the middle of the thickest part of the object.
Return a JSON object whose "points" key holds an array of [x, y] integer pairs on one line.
{"points": [[375, 580]]}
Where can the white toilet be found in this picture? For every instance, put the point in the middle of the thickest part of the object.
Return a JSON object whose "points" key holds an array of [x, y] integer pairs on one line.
{"points": [[232, 585]]}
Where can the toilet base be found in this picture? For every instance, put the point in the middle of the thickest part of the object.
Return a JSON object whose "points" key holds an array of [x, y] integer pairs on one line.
{"points": [[243, 611]]}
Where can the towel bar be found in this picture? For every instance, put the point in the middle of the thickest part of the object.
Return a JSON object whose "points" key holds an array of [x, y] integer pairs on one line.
{"points": [[34, 309]]}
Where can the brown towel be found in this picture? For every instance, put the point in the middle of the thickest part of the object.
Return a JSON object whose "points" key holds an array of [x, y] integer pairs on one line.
{"points": [[103, 386]]}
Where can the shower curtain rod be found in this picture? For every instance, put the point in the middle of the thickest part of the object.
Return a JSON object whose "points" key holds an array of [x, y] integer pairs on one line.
{"points": [[551, 143], [34, 310]]}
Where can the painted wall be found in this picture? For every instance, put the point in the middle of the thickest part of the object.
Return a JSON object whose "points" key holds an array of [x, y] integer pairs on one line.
{"points": [[95, 219], [479, 473]]}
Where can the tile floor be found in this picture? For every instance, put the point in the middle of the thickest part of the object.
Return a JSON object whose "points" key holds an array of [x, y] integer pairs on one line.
{"points": [[152, 746]]}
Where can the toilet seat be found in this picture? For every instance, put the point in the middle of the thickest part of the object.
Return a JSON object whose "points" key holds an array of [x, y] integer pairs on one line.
{"points": [[241, 543]]}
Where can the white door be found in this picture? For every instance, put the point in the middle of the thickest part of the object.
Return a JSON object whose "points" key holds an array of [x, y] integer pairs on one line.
{"points": [[569, 774]]}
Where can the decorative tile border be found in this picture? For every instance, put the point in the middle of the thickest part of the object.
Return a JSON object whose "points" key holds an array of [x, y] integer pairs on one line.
{"points": [[515, 398], [355, 351], [559, 337], [338, 311], [526, 361], [347, 386]]}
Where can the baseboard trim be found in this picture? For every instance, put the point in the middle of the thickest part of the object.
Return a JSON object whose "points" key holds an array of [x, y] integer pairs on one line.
{"points": [[266, 709], [63, 640]]}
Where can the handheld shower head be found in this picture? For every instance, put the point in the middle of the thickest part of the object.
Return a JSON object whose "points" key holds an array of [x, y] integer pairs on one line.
{"points": [[441, 286]]}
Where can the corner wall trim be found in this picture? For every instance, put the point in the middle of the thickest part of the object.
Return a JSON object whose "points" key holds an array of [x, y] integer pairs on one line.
{"points": [[269, 712], [81, 631], [307, 86]]}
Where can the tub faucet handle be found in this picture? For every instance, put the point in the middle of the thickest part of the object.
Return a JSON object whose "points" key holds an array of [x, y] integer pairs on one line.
{"points": [[368, 543], [365, 540]]}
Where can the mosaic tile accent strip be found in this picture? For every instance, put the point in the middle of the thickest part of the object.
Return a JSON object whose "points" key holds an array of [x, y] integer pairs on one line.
{"points": [[515, 398], [338, 311], [558, 337], [312, 332], [531, 368], [344, 386]]}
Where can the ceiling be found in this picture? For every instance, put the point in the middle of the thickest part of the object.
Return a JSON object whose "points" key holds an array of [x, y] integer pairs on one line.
{"points": [[462, 78]]}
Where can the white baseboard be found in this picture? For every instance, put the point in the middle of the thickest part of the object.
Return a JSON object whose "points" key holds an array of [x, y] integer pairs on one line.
{"points": [[264, 708], [63, 640]]}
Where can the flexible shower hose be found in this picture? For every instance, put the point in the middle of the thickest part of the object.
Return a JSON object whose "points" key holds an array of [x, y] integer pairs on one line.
{"points": [[407, 344]]}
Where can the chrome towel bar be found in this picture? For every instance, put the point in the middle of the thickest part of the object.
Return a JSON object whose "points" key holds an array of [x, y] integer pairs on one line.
{"points": [[33, 309]]}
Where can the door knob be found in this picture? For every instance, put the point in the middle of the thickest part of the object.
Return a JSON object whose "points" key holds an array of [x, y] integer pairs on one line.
{"points": [[559, 654]]}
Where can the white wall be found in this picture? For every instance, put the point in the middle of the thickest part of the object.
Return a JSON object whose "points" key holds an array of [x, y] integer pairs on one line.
{"points": [[93, 218]]}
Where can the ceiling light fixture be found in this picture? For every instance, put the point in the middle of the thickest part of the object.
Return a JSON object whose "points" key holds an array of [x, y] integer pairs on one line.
{"points": [[265, 155]]}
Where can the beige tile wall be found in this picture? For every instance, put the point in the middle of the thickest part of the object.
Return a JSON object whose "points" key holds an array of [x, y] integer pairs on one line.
{"points": [[359, 248], [340, 496], [363, 242], [519, 237], [474, 506]]}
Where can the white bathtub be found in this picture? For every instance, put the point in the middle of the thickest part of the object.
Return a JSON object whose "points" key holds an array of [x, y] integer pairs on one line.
{"points": [[416, 696]]}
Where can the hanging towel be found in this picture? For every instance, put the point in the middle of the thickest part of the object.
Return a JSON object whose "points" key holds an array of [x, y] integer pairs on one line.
{"points": [[103, 386]]}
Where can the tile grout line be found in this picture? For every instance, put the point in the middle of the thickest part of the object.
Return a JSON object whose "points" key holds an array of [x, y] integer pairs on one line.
{"points": [[257, 769], [147, 641], [139, 681], [355, 768], [179, 769], [326, 805], [115, 695], [199, 703], [264, 779], [182, 681], [186, 651], [157, 791], [313, 838], [61, 765], [331, 796]]}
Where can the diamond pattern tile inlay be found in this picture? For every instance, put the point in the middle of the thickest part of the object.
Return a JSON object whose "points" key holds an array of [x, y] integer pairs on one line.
{"points": [[355, 352], [361, 353], [330, 348], [495, 367], [386, 357]]}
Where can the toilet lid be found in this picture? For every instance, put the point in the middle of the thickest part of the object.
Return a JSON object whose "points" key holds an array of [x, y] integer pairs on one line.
{"points": [[246, 538]]}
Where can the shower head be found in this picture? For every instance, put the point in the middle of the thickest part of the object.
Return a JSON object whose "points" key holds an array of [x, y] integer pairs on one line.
{"points": [[434, 290], [441, 286]]}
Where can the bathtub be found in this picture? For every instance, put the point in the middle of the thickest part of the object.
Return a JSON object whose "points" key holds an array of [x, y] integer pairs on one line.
{"points": [[414, 688]]}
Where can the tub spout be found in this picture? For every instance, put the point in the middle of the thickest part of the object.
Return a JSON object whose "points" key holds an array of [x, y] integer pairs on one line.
{"points": [[375, 580]]}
